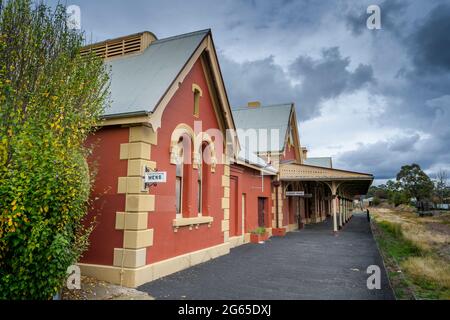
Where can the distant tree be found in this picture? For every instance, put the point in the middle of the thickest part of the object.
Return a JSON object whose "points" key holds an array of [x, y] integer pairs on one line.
{"points": [[378, 191], [395, 194], [415, 182], [392, 186], [440, 185]]}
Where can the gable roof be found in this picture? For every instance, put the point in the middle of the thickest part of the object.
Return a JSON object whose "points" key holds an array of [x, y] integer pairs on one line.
{"points": [[325, 162], [138, 83], [264, 117]]}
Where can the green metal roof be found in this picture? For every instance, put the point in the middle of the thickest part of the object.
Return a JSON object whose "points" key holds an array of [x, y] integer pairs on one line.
{"points": [[273, 117], [139, 82], [325, 162]]}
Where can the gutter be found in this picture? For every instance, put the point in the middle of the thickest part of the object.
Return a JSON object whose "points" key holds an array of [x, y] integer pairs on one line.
{"points": [[125, 115]]}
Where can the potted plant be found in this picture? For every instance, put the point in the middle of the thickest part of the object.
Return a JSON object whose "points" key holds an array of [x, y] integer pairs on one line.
{"points": [[259, 235], [278, 232]]}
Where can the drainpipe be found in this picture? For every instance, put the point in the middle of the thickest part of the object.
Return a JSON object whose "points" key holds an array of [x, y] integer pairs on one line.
{"points": [[276, 184]]}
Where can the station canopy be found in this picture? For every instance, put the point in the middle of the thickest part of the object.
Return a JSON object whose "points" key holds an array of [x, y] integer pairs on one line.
{"points": [[352, 183]]}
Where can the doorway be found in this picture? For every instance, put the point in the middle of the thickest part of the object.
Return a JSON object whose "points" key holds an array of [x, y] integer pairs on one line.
{"points": [[262, 212]]}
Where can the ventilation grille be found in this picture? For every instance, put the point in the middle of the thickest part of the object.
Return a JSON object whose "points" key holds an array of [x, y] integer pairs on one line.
{"points": [[121, 46]]}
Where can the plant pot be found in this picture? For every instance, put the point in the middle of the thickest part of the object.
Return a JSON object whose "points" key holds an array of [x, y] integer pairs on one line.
{"points": [[278, 232], [257, 238]]}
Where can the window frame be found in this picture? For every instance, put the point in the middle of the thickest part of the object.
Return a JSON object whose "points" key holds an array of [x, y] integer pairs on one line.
{"points": [[198, 93]]}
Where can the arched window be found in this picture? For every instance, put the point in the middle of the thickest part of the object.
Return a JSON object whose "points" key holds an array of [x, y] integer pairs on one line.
{"points": [[183, 177], [197, 94], [200, 188], [179, 179], [202, 180]]}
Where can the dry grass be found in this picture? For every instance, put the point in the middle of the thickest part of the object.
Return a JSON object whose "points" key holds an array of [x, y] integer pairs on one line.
{"points": [[422, 231], [429, 268], [423, 237], [421, 248]]}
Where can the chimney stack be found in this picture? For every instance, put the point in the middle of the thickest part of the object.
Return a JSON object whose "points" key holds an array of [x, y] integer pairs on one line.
{"points": [[304, 153], [254, 104]]}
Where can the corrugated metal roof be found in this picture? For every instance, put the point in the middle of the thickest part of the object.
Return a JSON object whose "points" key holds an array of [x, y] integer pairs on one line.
{"points": [[325, 162], [264, 117], [139, 82]]}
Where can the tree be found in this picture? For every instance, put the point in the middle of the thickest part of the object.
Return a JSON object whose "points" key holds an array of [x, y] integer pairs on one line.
{"points": [[50, 101], [441, 187], [415, 182], [396, 195], [378, 191]]}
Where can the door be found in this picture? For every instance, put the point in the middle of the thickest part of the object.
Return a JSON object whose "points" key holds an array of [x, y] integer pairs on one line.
{"points": [[261, 212], [301, 212]]}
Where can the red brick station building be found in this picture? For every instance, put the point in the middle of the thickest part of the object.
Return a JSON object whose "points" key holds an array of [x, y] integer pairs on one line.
{"points": [[170, 114]]}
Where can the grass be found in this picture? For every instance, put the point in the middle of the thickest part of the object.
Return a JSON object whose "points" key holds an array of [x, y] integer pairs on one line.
{"points": [[415, 253]]}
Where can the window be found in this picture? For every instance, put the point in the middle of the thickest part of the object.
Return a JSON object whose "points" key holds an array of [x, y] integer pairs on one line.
{"points": [[199, 187], [243, 212], [179, 180], [196, 103], [182, 176], [197, 94], [202, 181]]}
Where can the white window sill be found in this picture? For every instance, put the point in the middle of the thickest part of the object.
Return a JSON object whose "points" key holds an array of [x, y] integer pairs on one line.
{"points": [[191, 222]]}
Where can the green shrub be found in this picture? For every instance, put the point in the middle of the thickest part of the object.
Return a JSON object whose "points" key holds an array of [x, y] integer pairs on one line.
{"points": [[259, 230], [376, 201], [50, 100]]}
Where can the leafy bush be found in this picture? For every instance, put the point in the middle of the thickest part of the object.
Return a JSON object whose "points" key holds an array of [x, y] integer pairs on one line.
{"points": [[50, 99], [376, 201]]}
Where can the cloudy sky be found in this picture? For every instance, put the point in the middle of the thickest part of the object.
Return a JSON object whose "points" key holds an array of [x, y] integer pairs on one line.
{"points": [[372, 99]]}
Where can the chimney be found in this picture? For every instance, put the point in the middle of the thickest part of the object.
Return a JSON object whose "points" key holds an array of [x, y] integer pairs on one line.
{"points": [[254, 104], [304, 153], [119, 47]]}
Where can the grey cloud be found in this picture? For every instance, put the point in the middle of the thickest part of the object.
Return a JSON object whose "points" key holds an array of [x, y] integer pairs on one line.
{"points": [[383, 158], [320, 79], [403, 144], [429, 45], [262, 80], [328, 77]]}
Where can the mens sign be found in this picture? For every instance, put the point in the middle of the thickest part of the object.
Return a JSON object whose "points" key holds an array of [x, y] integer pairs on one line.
{"points": [[155, 177]]}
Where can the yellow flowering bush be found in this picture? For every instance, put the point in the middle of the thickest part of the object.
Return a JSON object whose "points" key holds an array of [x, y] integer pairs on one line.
{"points": [[50, 101]]}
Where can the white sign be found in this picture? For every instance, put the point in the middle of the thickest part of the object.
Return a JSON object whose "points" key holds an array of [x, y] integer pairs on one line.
{"points": [[155, 177], [295, 193]]}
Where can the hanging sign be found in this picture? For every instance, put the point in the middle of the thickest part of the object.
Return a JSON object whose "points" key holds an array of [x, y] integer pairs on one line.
{"points": [[298, 194], [155, 177]]}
